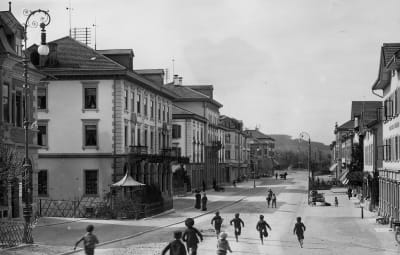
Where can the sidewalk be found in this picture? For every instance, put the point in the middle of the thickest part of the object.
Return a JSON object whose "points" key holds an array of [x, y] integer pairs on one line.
{"points": [[58, 235]]}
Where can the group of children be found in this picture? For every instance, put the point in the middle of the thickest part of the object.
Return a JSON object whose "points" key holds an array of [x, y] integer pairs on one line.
{"points": [[271, 197]]}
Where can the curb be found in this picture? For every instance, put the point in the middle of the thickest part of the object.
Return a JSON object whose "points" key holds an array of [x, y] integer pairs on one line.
{"points": [[59, 223], [156, 228], [17, 247]]}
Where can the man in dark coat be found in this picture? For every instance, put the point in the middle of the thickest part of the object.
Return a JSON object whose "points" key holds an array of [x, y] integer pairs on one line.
{"points": [[204, 202], [197, 204]]}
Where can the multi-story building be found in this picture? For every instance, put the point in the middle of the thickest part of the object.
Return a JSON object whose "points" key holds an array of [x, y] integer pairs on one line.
{"points": [[235, 148], [99, 120], [12, 112], [188, 137], [261, 152], [199, 100], [344, 148], [389, 174]]}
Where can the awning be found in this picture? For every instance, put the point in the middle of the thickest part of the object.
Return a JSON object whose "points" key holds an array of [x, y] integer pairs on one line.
{"points": [[127, 181], [333, 167], [343, 177]]}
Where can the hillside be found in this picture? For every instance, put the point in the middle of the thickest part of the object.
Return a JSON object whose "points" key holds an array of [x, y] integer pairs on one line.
{"points": [[287, 143]]}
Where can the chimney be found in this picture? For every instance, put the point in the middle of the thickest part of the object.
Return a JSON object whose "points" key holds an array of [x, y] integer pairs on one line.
{"points": [[176, 79], [180, 81], [9, 6]]}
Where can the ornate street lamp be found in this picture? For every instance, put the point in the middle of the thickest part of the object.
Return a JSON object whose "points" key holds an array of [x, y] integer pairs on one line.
{"points": [[33, 19], [302, 136]]}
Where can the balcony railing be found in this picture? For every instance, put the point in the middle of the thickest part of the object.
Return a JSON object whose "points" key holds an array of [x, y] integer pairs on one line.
{"points": [[139, 150]]}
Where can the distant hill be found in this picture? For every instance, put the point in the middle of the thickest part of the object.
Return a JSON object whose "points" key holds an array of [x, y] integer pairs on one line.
{"points": [[290, 151]]}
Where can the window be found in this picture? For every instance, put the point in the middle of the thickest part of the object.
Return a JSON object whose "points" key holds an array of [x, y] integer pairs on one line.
{"points": [[90, 98], [19, 108], [151, 109], [138, 103], [125, 135], [6, 103], [138, 137], [126, 100], [151, 140], [145, 137], [176, 131], [163, 113], [132, 101], [159, 111], [90, 134], [133, 135], [42, 134], [227, 138], [167, 113], [227, 154], [42, 183], [145, 106], [91, 182], [42, 98]]}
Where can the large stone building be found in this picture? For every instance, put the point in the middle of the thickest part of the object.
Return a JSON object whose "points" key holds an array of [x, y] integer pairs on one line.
{"points": [[12, 114], [389, 174], [99, 120], [199, 100], [236, 154]]}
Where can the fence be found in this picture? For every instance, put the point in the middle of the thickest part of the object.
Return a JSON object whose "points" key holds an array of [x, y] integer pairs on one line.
{"points": [[11, 233], [86, 207]]}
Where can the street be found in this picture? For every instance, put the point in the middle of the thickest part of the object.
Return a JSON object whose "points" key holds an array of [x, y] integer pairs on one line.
{"points": [[330, 230]]}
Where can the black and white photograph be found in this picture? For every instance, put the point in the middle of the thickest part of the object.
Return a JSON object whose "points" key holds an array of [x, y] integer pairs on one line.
{"points": [[199, 127]]}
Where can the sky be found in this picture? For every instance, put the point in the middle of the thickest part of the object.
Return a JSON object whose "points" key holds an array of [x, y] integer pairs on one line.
{"points": [[285, 66]]}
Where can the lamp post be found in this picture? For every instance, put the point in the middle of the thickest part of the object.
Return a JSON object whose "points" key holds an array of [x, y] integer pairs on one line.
{"points": [[302, 135], [33, 19]]}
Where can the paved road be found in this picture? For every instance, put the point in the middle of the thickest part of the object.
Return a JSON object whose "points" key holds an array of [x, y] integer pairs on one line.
{"points": [[330, 230]]}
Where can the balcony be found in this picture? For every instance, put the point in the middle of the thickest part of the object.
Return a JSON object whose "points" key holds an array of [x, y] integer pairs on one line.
{"points": [[139, 153], [138, 150]]}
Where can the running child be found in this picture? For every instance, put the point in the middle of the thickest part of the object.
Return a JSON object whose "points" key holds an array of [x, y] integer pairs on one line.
{"points": [[175, 247], [299, 229], [237, 224], [89, 241], [261, 227], [223, 244], [190, 236], [217, 220]]}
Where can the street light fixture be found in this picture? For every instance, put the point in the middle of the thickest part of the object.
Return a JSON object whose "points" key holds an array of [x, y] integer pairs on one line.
{"points": [[302, 136], [33, 19]]}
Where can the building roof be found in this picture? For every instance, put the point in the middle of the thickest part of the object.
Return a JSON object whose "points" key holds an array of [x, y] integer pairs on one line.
{"points": [[117, 52], [181, 113], [185, 93], [149, 71], [387, 58], [349, 125], [258, 135], [75, 59], [365, 109]]}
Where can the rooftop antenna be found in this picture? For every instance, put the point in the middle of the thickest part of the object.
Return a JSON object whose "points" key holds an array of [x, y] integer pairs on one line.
{"points": [[166, 75], [95, 33], [173, 67], [69, 8]]}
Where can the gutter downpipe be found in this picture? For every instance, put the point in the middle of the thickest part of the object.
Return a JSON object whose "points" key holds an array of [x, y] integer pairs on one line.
{"points": [[114, 127]]}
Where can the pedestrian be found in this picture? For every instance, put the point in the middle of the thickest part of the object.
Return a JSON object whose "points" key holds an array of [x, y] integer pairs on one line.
{"points": [[336, 202], [191, 236], [270, 192], [269, 197], [214, 184], [204, 186], [273, 200], [204, 202], [261, 227], [285, 175], [349, 192], [237, 224], [89, 241], [197, 204], [176, 247], [217, 220], [276, 176], [299, 229], [223, 244]]}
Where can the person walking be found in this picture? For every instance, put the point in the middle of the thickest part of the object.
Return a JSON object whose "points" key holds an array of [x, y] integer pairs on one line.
{"points": [[273, 200], [261, 227], [223, 244], [299, 229], [269, 197], [204, 186], [204, 200], [197, 204], [237, 224], [217, 220], [276, 176], [191, 236], [175, 247], [336, 202], [349, 192], [89, 241]]}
